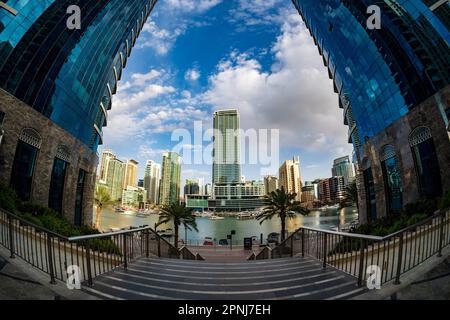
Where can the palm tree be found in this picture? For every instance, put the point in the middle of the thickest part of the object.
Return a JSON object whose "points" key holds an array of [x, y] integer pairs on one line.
{"points": [[281, 204], [352, 193], [178, 214], [102, 197]]}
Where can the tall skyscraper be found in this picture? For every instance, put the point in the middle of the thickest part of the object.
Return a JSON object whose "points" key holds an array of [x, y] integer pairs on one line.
{"points": [[290, 178], [226, 154], [131, 172], [106, 155], [398, 120], [114, 178], [56, 90], [169, 189], [343, 167], [152, 177], [270, 184]]}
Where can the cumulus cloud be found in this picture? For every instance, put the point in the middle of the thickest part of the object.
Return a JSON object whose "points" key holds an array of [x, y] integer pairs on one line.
{"points": [[143, 107], [197, 6], [192, 75], [257, 12], [295, 96], [159, 39]]}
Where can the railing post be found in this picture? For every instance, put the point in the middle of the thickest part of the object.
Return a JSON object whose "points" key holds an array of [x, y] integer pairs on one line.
{"points": [[50, 259], [441, 233], [361, 262], [159, 246], [292, 246], [88, 263], [324, 250], [125, 251], [11, 237], [399, 262], [147, 241], [303, 242]]}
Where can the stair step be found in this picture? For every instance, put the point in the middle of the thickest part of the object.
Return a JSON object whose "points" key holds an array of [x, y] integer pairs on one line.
{"points": [[287, 278]]}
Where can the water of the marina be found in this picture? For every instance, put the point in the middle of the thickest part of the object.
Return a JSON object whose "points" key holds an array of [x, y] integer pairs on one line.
{"points": [[218, 229]]}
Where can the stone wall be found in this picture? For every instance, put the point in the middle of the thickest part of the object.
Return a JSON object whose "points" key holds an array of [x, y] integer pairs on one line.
{"points": [[429, 114], [18, 116]]}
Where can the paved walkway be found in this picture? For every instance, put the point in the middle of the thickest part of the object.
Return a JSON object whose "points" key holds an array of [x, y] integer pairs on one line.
{"points": [[223, 253], [433, 285], [21, 281], [291, 278], [16, 285]]}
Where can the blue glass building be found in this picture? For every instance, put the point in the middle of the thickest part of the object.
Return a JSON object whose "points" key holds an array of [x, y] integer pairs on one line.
{"points": [[381, 77], [56, 87], [69, 75]]}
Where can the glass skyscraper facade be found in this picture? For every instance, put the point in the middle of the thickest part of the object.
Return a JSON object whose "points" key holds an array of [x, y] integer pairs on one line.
{"points": [[380, 74], [56, 86], [69, 75], [226, 154], [169, 189], [393, 87]]}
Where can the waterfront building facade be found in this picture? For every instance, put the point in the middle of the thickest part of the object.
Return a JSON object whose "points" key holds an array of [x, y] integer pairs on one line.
{"points": [[152, 177], [169, 190], [131, 174], [230, 191], [56, 88], [270, 184], [393, 87], [343, 167], [192, 187], [114, 178], [290, 178], [226, 153], [308, 196], [134, 197]]}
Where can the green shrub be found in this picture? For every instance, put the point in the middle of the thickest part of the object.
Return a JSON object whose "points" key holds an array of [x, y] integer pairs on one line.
{"points": [[425, 206], [445, 201], [9, 200]]}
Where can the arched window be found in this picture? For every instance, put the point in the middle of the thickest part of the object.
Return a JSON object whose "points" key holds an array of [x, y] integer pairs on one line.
{"points": [[426, 162], [24, 162], [392, 179], [58, 178]]}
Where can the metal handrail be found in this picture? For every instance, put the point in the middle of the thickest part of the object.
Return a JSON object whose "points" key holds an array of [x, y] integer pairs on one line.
{"points": [[363, 236], [94, 254], [352, 253]]}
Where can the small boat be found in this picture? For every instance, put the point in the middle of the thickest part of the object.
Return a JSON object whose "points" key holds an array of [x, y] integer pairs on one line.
{"points": [[216, 218], [245, 215]]}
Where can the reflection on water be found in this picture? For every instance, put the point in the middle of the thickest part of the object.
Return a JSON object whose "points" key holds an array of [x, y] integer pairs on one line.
{"points": [[219, 229]]}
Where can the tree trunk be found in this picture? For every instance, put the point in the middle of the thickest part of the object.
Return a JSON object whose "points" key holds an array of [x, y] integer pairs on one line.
{"points": [[283, 228], [176, 236], [97, 216]]}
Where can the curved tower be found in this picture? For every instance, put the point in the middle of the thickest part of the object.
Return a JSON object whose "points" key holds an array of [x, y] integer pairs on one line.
{"points": [[391, 82], [57, 85]]}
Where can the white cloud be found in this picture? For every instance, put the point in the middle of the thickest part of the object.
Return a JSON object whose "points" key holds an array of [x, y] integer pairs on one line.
{"points": [[192, 75], [197, 6], [258, 12], [159, 39], [296, 96]]}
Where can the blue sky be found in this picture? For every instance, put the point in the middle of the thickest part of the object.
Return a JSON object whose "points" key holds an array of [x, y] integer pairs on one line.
{"points": [[197, 56]]}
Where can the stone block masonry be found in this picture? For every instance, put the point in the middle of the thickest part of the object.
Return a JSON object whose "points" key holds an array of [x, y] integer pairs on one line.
{"points": [[19, 116]]}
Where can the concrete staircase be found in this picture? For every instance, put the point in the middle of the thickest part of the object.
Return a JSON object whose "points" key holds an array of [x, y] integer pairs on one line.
{"points": [[289, 278]]}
